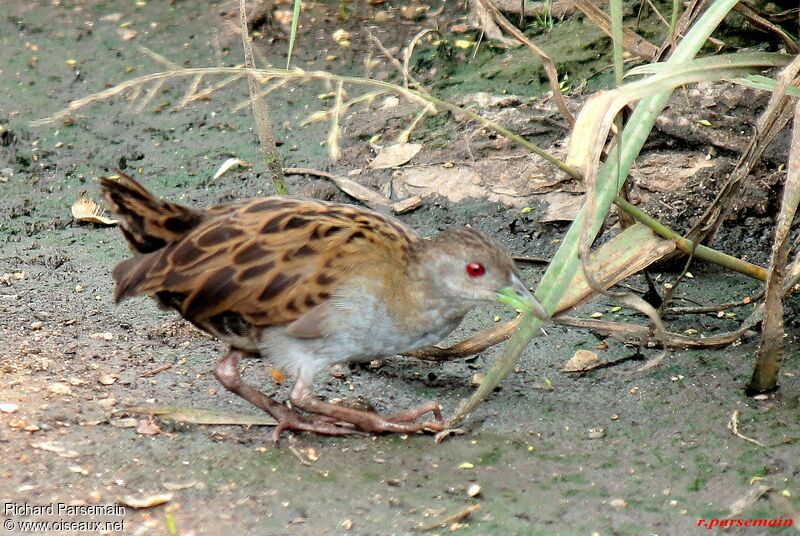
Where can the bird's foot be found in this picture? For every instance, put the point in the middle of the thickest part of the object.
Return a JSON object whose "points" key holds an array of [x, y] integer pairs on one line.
{"points": [[293, 421], [415, 413], [366, 421]]}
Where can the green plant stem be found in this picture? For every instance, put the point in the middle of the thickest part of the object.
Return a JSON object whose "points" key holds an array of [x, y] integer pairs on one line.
{"points": [[689, 247], [565, 263]]}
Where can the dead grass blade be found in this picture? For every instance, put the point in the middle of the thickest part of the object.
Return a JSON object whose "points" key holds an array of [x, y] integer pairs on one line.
{"points": [[597, 115], [549, 66], [633, 42], [201, 416], [770, 351], [690, 14], [763, 24], [774, 119], [371, 198], [334, 149], [260, 111]]}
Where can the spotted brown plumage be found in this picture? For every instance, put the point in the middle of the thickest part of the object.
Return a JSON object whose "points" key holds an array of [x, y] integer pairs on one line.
{"points": [[305, 283]]}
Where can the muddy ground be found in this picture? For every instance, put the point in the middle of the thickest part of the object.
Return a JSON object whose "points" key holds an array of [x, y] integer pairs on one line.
{"points": [[70, 360]]}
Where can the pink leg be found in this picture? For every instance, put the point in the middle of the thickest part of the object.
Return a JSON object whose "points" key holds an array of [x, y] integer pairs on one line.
{"points": [[367, 421], [227, 372]]}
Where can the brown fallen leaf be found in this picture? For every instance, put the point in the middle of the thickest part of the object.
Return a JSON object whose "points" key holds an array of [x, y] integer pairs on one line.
{"points": [[107, 379], [55, 448], [148, 501], [582, 361], [395, 155], [85, 209], [147, 427]]}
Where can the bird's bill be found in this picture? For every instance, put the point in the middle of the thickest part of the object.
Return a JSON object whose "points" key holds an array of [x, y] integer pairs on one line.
{"points": [[520, 298]]}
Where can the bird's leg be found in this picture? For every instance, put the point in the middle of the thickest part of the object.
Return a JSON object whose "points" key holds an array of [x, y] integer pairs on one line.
{"points": [[303, 397], [227, 372]]}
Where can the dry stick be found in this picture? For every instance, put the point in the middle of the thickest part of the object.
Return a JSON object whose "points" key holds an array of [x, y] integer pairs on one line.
{"points": [[771, 122], [156, 370], [763, 24], [549, 66], [687, 246], [260, 113], [633, 42], [463, 514], [371, 198], [631, 333]]}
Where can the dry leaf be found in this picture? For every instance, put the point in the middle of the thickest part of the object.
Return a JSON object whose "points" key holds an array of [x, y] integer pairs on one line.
{"points": [[582, 361], [283, 16], [128, 422], [230, 163], [395, 155], [148, 427], [341, 35], [107, 379], [55, 448], [561, 206], [87, 210], [146, 502], [127, 35]]}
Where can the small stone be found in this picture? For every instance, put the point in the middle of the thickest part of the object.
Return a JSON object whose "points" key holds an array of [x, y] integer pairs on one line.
{"points": [[474, 490], [105, 336], [59, 389], [597, 433], [8, 407], [37, 325], [618, 503], [107, 403]]}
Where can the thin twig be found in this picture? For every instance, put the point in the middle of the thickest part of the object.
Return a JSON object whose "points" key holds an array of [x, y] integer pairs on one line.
{"points": [[369, 197], [455, 518], [733, 426], [156, 370]]}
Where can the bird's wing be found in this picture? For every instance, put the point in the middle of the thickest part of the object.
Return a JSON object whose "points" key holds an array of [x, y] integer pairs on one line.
{"points": [[265, 262]]}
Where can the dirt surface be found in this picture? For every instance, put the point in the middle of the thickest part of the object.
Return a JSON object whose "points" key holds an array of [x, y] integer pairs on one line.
{"points": [[608, 452]]}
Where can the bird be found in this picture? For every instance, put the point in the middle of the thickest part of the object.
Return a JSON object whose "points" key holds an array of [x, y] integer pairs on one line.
{"points": [[308, 284]]}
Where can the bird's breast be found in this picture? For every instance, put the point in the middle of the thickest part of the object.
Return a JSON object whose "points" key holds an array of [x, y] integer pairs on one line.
{"points": [[368, 326]]}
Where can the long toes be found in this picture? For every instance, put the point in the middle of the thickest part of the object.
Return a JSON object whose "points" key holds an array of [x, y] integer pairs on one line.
{"points": [[381, 425], [318, 426], [416, 413]]}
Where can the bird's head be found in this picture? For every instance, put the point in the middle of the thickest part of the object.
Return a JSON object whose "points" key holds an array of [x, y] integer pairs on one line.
{"points": [[469, 266]]}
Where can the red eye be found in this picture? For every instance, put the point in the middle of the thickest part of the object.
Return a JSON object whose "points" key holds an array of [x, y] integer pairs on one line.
{"points": [[475, 269]]}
